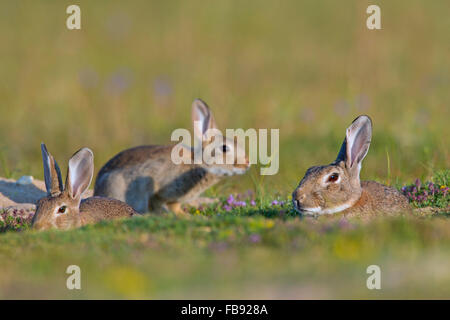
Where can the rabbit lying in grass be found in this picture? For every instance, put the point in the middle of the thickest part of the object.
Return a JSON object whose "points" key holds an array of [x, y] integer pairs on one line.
{"points": [[147, 179], [63, 208], [337, 188]]}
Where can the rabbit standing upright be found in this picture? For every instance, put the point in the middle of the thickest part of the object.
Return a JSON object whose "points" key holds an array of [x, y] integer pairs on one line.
{"points": [[146, 178], [63, 208], [337, 188]]}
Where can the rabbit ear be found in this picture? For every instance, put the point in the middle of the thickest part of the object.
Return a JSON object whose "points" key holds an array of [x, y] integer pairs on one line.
{"points": [[356, 143], [202, 118], [80, 172], [52, 174]]}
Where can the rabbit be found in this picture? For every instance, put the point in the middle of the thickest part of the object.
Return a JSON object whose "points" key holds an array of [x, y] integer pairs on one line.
{"points": [[63, 208], [336, 188], [147, 179]]}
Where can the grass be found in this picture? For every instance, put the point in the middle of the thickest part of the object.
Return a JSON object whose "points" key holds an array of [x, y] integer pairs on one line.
{"points": [[306, 67], [231, 255]]}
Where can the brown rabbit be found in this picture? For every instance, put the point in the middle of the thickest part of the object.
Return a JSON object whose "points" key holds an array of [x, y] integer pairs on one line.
{"points": [[146, 178], [63, 208], [336, 187]]}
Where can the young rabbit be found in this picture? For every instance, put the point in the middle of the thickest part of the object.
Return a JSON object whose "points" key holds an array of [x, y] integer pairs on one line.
{"points": [[146, 178], [63, 208], [336, 187]]}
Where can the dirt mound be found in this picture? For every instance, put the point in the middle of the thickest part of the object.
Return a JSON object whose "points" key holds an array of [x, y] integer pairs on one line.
{"points": [[13, 193]]}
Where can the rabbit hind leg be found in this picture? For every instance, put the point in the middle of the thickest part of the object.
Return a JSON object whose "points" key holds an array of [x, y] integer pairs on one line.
{"points": [[175, 207], [156, 205]]}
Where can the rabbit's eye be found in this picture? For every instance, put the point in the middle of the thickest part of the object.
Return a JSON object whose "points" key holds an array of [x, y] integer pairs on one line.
{"points": [[62, 209], [225, 148], [333, 177]]}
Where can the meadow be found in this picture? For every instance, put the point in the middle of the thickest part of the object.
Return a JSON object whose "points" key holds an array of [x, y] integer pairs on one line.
{"points": [[307, 68]]}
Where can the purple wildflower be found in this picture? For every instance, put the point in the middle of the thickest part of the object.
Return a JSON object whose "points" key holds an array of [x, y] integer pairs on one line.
{"points": [[344, 224], [254, 238], [240, 203], [418, 183]]}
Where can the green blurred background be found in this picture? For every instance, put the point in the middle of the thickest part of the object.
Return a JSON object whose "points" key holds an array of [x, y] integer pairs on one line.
{"points": [[128, 77]]}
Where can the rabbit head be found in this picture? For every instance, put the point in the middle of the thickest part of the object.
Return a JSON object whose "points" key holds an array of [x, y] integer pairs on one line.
{"points": [[60, 208], [335, 187], [222, 156]]}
